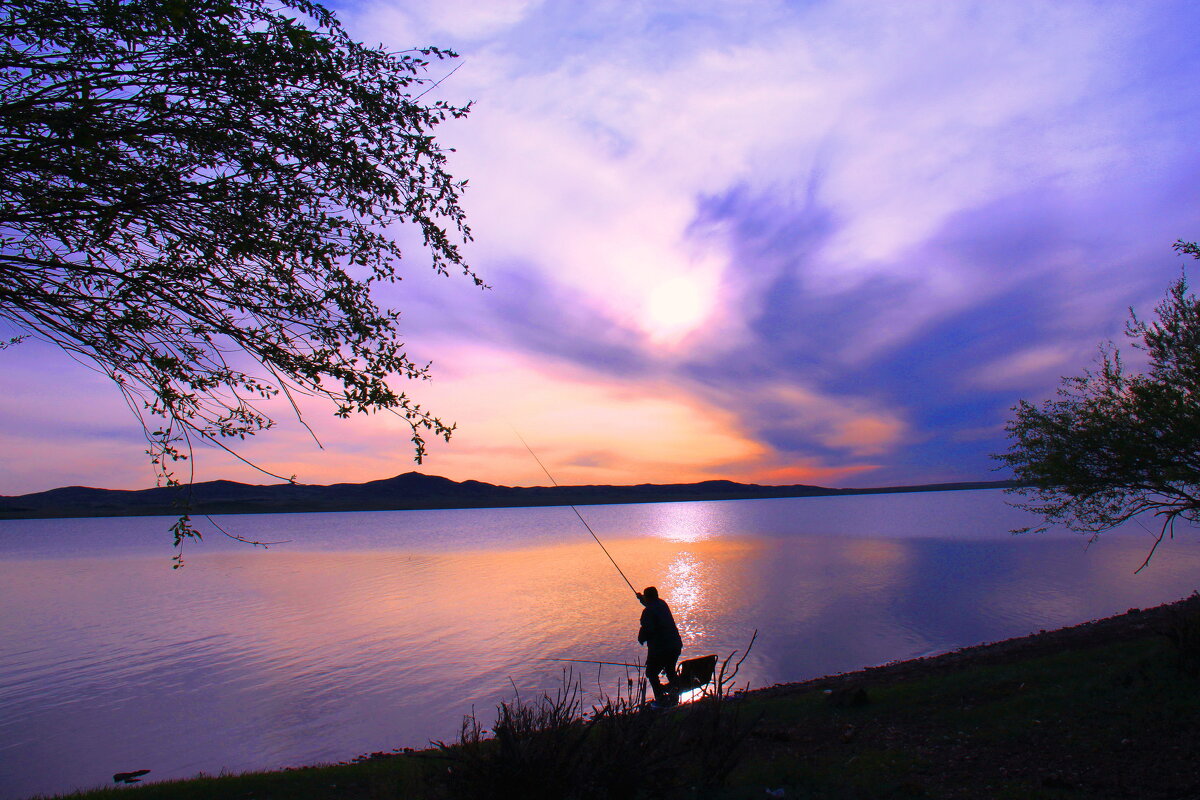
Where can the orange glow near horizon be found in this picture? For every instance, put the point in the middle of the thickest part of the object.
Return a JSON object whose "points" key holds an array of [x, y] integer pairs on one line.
{"points": [[585, 427], [589, 430]]}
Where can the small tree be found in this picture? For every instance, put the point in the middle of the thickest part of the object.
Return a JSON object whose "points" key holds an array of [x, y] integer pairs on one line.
{"points": [[194, 196], [1116, 445]]}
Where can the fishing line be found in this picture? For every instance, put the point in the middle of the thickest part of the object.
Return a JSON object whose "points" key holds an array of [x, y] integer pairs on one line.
{"points": [[576, 510], [590, 661]]}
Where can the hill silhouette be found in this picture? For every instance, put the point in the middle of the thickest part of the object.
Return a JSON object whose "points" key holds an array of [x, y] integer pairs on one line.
{"points": [[412, 490]]}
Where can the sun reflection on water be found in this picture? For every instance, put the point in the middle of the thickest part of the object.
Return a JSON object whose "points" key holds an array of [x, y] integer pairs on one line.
{"points": [[683, 522], [684, 586]]}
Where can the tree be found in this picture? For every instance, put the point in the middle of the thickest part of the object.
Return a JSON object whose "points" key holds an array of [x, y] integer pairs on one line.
{"points": [[1115, 445], [194, 200]]}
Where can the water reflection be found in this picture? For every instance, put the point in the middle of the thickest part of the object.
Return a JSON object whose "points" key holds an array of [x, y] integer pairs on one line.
{"points": [[684, 588], [249, 659], [685, 522]]}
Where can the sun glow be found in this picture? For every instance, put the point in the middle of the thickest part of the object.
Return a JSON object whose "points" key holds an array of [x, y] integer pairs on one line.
{"points": [[675, 307]]}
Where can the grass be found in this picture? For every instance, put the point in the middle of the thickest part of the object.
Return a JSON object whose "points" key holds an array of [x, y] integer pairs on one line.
{"points": [[1115, 720], [1094, 716]]}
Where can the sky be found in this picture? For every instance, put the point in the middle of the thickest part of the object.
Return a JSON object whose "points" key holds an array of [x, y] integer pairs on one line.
{"points": [[775, 242]]}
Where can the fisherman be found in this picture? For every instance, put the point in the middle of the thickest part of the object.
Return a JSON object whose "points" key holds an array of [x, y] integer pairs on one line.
{"points": [[663, 645]]}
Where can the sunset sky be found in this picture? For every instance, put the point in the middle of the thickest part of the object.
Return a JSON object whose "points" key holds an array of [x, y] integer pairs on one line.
{"points": [[779, 242]]}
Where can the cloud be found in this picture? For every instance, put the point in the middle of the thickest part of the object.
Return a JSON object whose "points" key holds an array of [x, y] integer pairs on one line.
{"points": [[770, 240], [585, 428], [590, 428], [431, 21], [1025, 367], [592, 170], [855, 228], [802, 421]]}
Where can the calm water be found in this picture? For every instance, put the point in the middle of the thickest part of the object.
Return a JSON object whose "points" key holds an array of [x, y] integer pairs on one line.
{"points": [[377, 630]]}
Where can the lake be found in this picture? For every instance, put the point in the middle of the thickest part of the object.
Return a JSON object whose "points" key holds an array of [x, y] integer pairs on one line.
{"points": [[376, 630]]}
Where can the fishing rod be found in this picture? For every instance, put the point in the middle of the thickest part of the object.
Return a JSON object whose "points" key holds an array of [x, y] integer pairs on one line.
{"points": [[576, 510]]}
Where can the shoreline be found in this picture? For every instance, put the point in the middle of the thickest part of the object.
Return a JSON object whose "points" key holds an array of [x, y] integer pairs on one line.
{"points": [[1131, 624], [1073, 711]]}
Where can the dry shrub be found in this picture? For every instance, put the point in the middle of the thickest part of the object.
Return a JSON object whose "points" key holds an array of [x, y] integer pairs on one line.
{"points": [[533, 751], [549, 748]]}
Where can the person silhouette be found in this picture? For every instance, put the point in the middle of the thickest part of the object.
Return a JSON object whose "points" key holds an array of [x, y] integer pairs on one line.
{"points": [[663, 645]]}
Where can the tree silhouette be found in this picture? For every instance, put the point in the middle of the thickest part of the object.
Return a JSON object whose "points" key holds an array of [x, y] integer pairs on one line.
{"points": [[1115, 445], [194, 198]]}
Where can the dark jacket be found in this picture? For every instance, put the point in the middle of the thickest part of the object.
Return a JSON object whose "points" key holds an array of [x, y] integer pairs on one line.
{"points": [[658, 626]]}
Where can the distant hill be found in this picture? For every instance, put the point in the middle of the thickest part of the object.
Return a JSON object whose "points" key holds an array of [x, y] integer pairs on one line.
{"points": [[412, 490]]}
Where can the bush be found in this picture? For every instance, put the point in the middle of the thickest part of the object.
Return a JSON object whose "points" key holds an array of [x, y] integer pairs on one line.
{"points": [[532, 752], [550, 748]]}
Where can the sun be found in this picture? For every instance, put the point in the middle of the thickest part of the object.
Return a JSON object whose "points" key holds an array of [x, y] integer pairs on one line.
{"points": [[674, 308]]}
